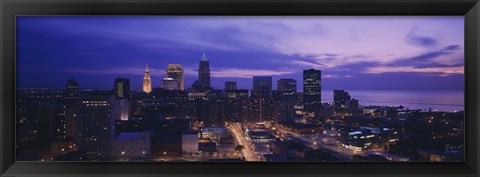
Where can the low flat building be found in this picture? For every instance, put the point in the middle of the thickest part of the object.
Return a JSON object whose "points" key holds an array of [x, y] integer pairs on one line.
{"points": [[131, 144], [214, 133], [260, 135], [197, 96], [169, 84], [207, 145], [302, 128], [190, 141], [359, 140]]}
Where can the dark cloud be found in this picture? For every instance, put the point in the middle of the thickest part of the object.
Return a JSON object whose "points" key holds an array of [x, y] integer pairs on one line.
{"points": [[451, 47], [429, 55], [425, 59], [436, 65], [423, 41], [321, 55]]}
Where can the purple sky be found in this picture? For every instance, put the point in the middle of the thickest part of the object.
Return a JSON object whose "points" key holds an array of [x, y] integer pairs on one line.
{"points": [[395, 53]]}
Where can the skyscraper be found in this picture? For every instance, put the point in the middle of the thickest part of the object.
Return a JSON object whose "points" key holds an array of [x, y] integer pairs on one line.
{"points": [[122, 88], [97, 127], [204, 72], [71, 109], [262, 98], [312, 88], [284, 105], [120, 109], [51, 121], [230, 85], [341, 97], [287, 86], [175, 71], [71, 89], [147, 82], [262, 86], [284, 111]]}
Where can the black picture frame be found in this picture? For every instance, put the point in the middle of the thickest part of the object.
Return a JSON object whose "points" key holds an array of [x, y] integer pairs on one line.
{"points": [[11, 8]]}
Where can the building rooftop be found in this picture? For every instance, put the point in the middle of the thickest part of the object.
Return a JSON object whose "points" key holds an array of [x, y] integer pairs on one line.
{"points": [[129, 136], [213, 129], [259, 130], [189, 132], [301, 126]]}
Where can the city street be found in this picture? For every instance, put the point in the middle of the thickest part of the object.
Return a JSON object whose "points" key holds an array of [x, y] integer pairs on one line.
{"points": [[247, 151], [337, 151]]}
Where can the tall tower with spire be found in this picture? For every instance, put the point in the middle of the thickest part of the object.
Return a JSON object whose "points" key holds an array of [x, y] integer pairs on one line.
{"points": [[147, 82], [204, 72]]}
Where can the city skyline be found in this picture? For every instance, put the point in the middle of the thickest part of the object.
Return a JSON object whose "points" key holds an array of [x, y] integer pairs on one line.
{"points": [[426, 55], [264, 93]]}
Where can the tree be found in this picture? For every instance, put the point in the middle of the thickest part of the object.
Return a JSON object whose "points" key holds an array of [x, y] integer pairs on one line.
{"points": [[239, 148]]}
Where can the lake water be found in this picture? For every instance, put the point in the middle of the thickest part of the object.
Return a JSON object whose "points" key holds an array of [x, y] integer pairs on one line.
{"points": [[450, 101]]}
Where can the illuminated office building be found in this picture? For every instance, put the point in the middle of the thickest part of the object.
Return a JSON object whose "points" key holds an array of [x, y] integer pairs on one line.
{"points": [[122, 88], [262, 86], [175, 71], [169, 84], [312, 88], [120, 109], [287, 86], [147, 82], [204, 72]]}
